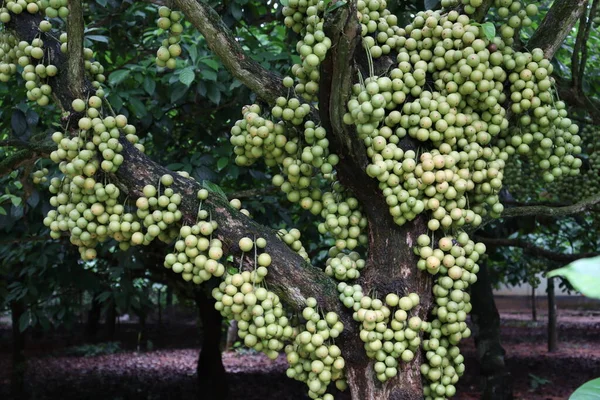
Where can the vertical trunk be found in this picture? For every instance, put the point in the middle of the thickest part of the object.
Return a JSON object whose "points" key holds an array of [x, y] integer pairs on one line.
{"points": [[142, 331], [232, 335], [159, 305], [211, 374], [533, 304], [552, 315], [17, 382], [93, 318], [169, 304], [111, 320], [497, 381], [363, 383]]}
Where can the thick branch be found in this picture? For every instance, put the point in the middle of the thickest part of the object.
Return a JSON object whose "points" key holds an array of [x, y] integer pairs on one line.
{"points": [[584, 52], [579, 45], [557, 25], [267, 85], [482, 10], [533, 250], [290, 276], [75, 69], [545, 211]]}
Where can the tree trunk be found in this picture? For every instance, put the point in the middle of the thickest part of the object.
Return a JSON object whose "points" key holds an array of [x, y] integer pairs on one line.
{"points": [[93, 318], [497, 380], [142, 331], [363, 383], [111, 320], [17, 382], [552, 316], [212, 378], [533, 304], [159, 306], [232, 335]]}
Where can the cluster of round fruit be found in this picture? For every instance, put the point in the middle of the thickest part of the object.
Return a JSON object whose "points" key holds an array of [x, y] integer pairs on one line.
{"points": [[313, 357], [344, 266], [454, 263], [343, 219], [387, 330], [196, 254], [262, 320], [40, 176], [292, 239], [306, 18], [52, 8], [166, 55], [8, 57], [523, 183]]}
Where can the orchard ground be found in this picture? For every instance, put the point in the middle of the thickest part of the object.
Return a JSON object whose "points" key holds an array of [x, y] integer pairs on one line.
{"points": [[56, 371]]}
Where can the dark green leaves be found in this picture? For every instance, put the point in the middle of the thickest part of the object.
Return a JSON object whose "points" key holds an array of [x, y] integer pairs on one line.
{"points": [[187, 76], [118, 76]]}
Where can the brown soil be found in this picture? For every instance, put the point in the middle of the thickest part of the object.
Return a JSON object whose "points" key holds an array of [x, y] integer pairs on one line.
{"points": [[169, 373]]}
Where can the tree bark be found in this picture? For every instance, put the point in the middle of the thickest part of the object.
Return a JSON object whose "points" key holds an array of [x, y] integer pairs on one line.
{"points": [[93, 318], [533, 304], [212, 378], [552, 316], [497, 380], [17, 381], [111, 320]]}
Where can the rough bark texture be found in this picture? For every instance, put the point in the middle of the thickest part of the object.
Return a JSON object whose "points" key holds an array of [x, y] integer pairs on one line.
{"points": [[17, 383], [496, 378], [559, 20], [552, 317], [93, 319], [267, 85], [212, 378], [391, 265], [76, 70]]}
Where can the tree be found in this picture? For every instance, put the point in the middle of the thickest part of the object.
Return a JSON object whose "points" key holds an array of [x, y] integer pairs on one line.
{"points": [[397, 136]]}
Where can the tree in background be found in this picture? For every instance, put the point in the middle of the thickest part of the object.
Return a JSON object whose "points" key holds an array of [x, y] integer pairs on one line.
{"points": [[397, 136]]}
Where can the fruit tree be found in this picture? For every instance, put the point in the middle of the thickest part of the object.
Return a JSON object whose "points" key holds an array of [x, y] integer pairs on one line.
{"points": [[395, 137]]}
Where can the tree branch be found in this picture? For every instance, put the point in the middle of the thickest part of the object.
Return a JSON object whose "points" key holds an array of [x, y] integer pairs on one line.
{"points": [[533, 250], [579, 44], [75, 68], [267, 85], [293, 279], [584, 53], [545, 211], [559, 20]]}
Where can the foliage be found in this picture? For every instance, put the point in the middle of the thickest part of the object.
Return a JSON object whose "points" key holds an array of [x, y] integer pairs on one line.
{"points": [[583, 274], [588, 391]]}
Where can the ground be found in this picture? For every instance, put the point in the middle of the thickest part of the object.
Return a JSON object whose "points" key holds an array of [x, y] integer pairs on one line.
{"points": [[57, 371]]}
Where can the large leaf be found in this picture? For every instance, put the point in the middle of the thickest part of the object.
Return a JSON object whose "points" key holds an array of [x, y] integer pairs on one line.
{"points": [[187, 76], [118, 76], [583, 274], [213, 187], [588, 391]]}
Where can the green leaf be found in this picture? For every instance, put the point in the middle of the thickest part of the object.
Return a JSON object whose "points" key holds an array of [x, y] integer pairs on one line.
{"points": [[138, 108], [335, 6], [222, 163], [211, 63], [187, 76], [213, 94], [588, 391], [2, 211], [16, 201], [583, 274], [284, 2], [209, 75], [489, 30], [149, 85], [213, 187], [97, 38], [118, 76]]}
